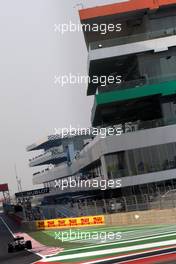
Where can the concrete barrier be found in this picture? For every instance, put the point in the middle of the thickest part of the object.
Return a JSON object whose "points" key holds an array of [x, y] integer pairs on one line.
{"points": [[150, 217]]}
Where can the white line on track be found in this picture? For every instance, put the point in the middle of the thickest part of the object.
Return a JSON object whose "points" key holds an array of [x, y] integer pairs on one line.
{"points": [[114, 258], [6, 225], [111, 251], [130, 240]]}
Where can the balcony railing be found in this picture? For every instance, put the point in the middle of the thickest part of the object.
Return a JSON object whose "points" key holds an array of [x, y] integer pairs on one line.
{"points": [[141, 125], [46, 157], [132, 38], [137, 83], [148, 168], [42, 171], [123, 85]]}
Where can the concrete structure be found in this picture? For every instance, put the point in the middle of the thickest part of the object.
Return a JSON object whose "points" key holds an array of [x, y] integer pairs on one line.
{"points": [[57, 152], [143, 53], [142, 50]]}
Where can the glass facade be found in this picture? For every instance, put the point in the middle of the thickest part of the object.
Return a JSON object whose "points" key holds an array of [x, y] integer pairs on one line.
{"points": [[88, 173], [92, 171], [141, 161]]}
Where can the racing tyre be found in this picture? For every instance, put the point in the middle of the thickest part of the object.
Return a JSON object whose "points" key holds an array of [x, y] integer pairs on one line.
{"points": [[10, 248], [28, 244]]}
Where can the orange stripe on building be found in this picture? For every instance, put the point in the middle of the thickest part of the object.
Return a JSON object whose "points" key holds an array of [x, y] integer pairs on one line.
{"points": [[125, 7]]}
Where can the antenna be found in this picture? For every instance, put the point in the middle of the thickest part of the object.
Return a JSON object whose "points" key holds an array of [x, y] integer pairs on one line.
{"points": [[18, 180]]}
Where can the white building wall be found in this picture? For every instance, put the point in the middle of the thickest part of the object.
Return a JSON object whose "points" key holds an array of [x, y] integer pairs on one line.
{"points": [[101, 146]]}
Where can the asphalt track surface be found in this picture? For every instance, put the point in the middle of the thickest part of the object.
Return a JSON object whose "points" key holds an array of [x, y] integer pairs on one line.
{"points": [[22, 257]]}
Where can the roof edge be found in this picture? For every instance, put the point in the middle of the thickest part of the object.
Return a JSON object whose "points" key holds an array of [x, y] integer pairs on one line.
{"points": [[124, 7]]}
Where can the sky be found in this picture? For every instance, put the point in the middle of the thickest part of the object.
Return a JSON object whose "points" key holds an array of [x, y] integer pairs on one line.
{"points": [[31, 104]]}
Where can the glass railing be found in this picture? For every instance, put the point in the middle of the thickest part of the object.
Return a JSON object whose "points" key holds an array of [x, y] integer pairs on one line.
{"points": [[132, 38], [47, 156], [145, 168], [133, 84], [137, 83], [39, 172], [138, 125], [141, 125], [123, 85]]}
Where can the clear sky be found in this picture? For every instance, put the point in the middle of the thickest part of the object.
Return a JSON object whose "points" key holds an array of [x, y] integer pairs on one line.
{"points": [[31, 54], [31, 105]]}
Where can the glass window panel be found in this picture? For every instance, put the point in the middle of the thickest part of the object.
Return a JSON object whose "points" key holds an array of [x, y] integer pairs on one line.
{"points": [[140, 161], [132, 163]]}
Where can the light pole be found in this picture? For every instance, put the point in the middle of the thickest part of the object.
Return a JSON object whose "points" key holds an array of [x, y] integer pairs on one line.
{"points": [[20, 190]]}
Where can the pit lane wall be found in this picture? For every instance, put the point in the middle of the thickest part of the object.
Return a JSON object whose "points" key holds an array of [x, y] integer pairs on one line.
{"points": [[150, 217]]}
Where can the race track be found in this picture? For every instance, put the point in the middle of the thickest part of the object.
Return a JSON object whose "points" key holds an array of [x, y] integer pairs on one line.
{"points": [[23, 257], [138, 245]]}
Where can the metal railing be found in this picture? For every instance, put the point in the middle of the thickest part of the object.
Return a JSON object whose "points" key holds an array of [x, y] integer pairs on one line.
{"points": [[115, 205], [46, 157], [132, 38], [137, 83], [157, 200], [141, 125]]}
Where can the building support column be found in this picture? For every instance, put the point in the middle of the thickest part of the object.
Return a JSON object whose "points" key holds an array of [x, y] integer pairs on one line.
{"points": [[104, 168]]}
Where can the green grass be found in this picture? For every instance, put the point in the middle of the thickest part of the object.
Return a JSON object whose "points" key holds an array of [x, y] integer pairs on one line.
{"points": [[131, 236], [47, 237], [116, 245], [48, 240]]}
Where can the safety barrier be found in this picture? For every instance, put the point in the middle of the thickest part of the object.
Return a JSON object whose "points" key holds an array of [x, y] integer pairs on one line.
{"points": [[71, 222]]}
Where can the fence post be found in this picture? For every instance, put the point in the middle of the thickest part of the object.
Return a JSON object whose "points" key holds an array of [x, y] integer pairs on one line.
{"points": [[105, 206], [137, 207], [95, 204], [173, 202], [115, 204], [77, 208], [160, 201], [125, 203], [86, 207], [147, 201]]}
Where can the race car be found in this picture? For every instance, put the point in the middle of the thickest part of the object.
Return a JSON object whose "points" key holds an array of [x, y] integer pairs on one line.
{"points": [[19, 244]]}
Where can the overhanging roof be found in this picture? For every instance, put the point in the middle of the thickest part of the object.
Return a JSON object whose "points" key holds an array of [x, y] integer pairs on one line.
{"points": [[45, 143], [116, 97]]}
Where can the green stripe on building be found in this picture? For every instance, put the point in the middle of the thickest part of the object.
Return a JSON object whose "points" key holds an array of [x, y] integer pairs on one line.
{"points": [[166, 88]]}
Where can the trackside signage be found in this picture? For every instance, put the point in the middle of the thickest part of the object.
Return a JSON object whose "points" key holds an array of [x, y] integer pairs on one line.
{"points": [[32, 192], [4, 187], [71, 222]]}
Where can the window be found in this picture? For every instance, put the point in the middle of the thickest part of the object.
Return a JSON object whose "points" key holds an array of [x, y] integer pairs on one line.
{"points": [[140, 161]]}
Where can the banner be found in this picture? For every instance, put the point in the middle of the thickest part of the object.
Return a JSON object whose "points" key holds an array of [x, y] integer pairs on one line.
{"points": [[4, 187], [32, 192], [71, 222]]}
